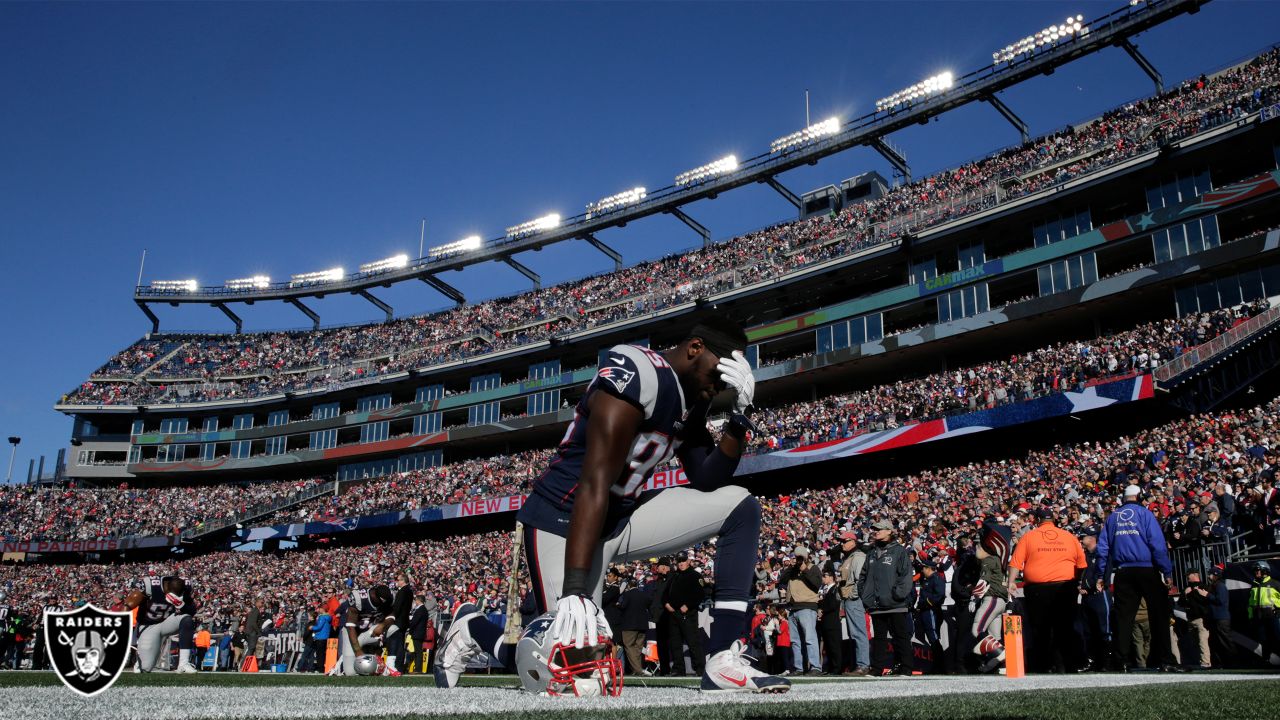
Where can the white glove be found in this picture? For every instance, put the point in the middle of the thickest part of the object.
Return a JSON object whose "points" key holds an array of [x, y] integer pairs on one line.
{"points": [[174, 600], [579, 623], [736, 373], [980, 589]]}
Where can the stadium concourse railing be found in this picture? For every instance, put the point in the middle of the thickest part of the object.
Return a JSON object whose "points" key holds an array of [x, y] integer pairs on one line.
{"points": [[1200, 354], [1199, 558], [866, 235], [259, 510]]}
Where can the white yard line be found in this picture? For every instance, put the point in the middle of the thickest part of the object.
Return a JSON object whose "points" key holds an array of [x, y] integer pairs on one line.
{"points": [[215, 703]]}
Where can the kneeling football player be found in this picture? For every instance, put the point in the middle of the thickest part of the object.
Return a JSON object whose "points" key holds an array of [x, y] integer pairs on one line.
{"points": [[165, 608], [367, 619], [586, 511]]}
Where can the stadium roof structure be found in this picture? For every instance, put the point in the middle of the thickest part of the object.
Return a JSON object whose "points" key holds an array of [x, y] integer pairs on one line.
{"points": [[807, 147]]}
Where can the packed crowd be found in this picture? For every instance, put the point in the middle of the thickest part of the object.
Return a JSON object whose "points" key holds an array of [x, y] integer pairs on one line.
{"points": [[225, 366], [137, 358], [1210, 475], [457, 482], [31, 513], [1065, 366], [1192, 107], [1223, 455], [42, 514], [227, 585]]}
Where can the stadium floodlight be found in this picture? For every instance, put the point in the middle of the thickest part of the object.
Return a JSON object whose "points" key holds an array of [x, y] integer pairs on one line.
{"points": [[830, 126], [257, 282], [1052, 35], [392, 263], [320, 276], [698, 174], [615, 202], [921, 90], [470, 242], [533, 227], [174, 285]]}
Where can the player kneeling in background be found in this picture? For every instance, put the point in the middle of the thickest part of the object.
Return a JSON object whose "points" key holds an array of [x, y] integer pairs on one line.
{"points": [[165, 608], [368, 619], [586, 511]]}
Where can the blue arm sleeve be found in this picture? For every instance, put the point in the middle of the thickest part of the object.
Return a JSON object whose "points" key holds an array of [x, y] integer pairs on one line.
{"points": [[707, 469]]}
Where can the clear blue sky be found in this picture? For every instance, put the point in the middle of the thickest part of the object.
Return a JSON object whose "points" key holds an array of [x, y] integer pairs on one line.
{"points": [[237, 138]]}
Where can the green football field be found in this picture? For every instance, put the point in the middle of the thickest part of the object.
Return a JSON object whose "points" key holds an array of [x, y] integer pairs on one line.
{"points": [[32, 696]]}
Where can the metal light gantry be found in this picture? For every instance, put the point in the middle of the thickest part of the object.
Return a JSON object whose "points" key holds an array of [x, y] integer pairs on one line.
{"points": [[1112, 30]]}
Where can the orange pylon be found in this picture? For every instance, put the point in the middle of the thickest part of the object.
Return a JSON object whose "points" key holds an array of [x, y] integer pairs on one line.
{"points": [[1014, 662]]}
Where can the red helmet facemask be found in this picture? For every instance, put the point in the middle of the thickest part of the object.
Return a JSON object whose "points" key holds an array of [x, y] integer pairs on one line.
{"points": [[585, 672]]}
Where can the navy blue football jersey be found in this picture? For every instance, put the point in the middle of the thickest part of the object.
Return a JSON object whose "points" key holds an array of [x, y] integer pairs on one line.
{"points": [[369, 613], [158, 606], [645, 379]]}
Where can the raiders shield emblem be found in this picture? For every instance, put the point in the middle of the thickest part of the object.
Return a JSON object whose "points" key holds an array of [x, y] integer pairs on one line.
{"points": [[88, 646]]}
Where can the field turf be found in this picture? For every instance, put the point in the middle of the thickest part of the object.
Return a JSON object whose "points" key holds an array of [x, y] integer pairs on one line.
{"points": [[39, 696]]}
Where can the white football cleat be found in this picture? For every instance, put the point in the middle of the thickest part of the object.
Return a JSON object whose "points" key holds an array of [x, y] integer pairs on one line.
{"points": [[186, 668], [731, 671], [458, 648]]}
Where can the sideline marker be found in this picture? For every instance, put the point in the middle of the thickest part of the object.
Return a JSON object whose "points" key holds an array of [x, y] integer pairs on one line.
{"points": [[1014, 665]]}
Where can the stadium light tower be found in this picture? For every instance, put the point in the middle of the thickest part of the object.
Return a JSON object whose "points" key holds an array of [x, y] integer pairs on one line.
{"points": [[616, 202], [174, 286], [257, 282], [468, 243], [909, 96], [1051, 36], [724, 165], [800, 138], [13, 440], [533, 227], [394, 262], [320, 276]]}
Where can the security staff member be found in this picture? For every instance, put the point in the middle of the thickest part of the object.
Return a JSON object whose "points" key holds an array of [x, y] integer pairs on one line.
{"points": [[1132, 555], [684, 596], [1264, 607], [1051, 561], [1095, 604], [662, 618]]}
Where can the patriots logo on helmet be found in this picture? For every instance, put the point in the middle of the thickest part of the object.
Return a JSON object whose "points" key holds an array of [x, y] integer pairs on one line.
{"points": [[618, 376], [549, 668]]}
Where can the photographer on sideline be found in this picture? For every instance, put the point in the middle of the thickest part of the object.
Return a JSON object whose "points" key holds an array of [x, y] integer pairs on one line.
{"points": [[802, 582]]}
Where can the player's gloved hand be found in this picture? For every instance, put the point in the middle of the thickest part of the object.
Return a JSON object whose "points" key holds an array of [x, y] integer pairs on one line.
{"points": [[174, 600], [980, 589], [579, 623], [736, 373]]}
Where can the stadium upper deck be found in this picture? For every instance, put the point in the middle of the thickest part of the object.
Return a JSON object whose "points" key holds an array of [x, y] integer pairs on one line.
{"points": [[89, 514], [187, 368], [942, 233]]}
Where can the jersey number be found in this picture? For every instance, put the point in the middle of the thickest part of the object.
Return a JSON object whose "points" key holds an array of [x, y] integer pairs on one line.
{"points": [[648, 450]]}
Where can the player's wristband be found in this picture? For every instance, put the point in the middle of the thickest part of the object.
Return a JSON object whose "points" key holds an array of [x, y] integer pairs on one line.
{"points": [[575, 582], [739, 425]]}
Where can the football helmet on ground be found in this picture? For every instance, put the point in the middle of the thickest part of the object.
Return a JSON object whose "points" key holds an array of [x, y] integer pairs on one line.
{"points": [[546, 666]]}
